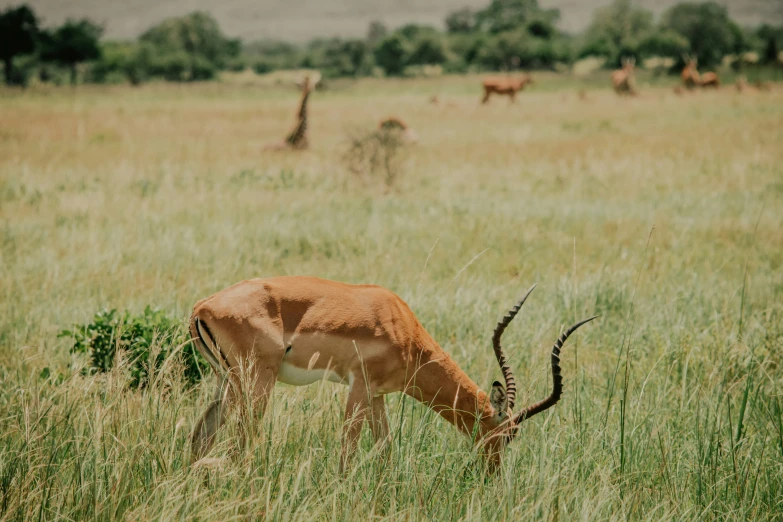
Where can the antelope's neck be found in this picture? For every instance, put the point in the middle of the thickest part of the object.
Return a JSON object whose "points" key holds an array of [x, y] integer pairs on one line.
{"points": [[439, 383], [303, 103]]}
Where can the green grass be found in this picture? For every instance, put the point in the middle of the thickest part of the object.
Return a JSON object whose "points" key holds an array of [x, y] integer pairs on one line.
{"points": [[119, 198]]}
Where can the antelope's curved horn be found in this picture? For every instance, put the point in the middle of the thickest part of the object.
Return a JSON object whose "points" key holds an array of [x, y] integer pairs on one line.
{"points": [[557, 379], [508, 375]]}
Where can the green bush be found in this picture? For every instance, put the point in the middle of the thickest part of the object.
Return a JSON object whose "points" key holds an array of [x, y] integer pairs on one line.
{"points": [[22, 70], [173, 66], [263, 67], [392, 54], [110, 330], [269, 55], [237, 64], [114, 63], [201, 69]]}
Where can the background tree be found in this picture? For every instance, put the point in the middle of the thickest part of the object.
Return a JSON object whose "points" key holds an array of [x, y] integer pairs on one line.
{"points": [[425, 44], [664, 43], [72, 43], [708, 28], [504, 32], [197, 37], [509, 15], [335, 57], [770, 42], [18, 36], [392, 53], [427, 49], [461, 21], [114, 64], [616, 31], [268, 55]]}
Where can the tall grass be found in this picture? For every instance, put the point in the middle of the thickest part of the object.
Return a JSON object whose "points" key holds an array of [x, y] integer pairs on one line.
{"points": [[119, 197]]}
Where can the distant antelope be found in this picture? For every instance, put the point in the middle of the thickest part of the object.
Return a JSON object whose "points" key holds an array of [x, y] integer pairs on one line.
{"points": [[690, 75], [505, 86], [394, 124], [623, 79], [303, 330], [297, 138], [709, 79]]}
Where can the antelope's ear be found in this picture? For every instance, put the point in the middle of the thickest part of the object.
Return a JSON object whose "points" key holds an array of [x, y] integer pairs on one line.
{"points": [[497, 398]]}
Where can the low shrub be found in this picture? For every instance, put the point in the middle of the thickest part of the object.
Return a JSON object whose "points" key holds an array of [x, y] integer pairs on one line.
{"points": [[139, 336]]}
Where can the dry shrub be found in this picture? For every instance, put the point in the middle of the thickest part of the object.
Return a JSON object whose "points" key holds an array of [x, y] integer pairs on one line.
{"points": [[377, 154]]}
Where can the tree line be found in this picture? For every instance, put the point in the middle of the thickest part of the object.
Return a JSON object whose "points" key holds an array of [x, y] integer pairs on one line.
{"points": [[504, 35]]}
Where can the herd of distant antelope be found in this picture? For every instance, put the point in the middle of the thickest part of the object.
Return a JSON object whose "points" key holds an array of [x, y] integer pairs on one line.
{"points": [[623, 83]]}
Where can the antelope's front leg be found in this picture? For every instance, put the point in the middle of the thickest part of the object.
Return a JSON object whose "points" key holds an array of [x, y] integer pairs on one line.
{"points": [[356, 410], [379, 423], [256, 381]]}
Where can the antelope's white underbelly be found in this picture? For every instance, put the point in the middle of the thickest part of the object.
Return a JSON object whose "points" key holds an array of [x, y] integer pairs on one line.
{"points": [[295, 376]]}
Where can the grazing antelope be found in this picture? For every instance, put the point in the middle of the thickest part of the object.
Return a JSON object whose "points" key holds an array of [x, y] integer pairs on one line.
{"points": [[623, 80], [709, 79], [300, 330], [394, 124], [691, 77], [297, 138], [505, 86]]}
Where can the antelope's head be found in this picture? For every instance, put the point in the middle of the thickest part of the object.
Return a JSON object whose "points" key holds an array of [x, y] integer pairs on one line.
{"points": [[523, 81], [691, 63], [309, 82], [629, 64], [503, 397]]}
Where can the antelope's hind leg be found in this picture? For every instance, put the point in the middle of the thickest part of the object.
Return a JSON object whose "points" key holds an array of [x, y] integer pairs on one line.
{"points": [[214, 417]]}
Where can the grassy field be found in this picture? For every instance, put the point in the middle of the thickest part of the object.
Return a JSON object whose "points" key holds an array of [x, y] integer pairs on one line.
{"points": [[662, 213]]}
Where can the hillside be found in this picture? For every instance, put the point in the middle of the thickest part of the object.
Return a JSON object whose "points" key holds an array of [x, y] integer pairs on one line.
{"points": [[306, 19]]}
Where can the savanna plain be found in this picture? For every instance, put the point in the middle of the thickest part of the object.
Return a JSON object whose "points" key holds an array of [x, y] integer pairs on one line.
{"points": [[662, 213]]}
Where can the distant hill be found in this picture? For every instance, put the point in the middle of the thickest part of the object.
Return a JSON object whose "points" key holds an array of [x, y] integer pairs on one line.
{"points": [[301, 20]]}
